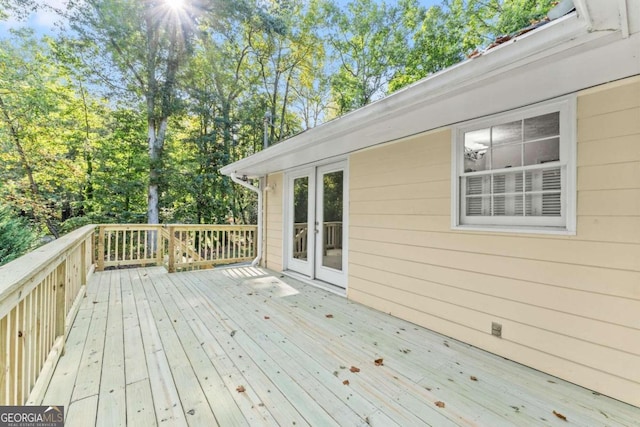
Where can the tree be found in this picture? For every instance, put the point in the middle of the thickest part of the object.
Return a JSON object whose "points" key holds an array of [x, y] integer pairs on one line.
{"points": [[16, 236], [121, 168], [289, 58], [448, 33], [368, 39], [19, 8], [39, 125], [514, 15], [144, 44]]}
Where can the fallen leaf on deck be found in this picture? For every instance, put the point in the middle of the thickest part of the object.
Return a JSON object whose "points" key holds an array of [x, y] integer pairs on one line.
{"points": [[472, 378], [378, 362], [266, 318], [440, 404], [345, 382], [240, 389], [329, 316], [559, 415], [354, 369]]}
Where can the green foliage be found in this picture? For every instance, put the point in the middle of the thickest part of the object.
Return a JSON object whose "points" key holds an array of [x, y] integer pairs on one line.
{"points": [[368, 39], [134, 100], [450, 32], [44, 132], [515, 15], [121, 170], [16, 235]]}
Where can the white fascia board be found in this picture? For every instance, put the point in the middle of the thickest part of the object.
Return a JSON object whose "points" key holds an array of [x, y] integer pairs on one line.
{"points": [[427, 104], [604, 15]]}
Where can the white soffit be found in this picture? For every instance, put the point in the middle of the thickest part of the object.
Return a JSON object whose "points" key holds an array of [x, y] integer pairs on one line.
{"points": [[559, 58]]}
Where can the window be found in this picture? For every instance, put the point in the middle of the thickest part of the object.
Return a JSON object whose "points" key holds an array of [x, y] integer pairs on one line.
{"points": [[517, 170]]}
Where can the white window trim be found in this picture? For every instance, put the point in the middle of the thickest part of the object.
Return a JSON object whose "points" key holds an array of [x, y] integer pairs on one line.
{"points": [[566, 105]]}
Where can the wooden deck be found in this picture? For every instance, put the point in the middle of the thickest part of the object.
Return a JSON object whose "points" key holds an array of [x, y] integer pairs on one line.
{"points": [[246, 346]]}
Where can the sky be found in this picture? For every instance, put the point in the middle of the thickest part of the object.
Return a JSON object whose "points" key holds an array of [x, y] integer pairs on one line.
{"points": [[43, 22]]}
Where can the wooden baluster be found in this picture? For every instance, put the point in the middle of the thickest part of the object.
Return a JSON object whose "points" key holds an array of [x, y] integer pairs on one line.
{"points": [[20, 321], [5, 358], [12, 389], [159, 247], [172, 250]]}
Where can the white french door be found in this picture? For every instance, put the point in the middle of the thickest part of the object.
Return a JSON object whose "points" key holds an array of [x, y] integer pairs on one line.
{"points": [[330, 255], [299, 231], [316, 222]]}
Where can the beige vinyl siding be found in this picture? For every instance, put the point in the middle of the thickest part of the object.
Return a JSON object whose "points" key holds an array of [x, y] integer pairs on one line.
{"points": [[568, 305], [273, 222]]}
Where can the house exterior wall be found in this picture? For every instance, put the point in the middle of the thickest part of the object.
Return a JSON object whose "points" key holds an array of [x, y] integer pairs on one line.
{"points": [[568, 305], [273, 221]]}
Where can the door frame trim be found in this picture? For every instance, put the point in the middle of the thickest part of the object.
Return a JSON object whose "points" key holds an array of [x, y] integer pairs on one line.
{"points": [[286, 210], [287, 233]]}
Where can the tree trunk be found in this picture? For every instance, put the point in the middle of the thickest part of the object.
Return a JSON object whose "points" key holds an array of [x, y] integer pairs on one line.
{"points": [[156, 143], [88, 157]]}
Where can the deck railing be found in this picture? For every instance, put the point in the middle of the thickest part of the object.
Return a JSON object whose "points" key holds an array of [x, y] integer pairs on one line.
{"points": [[177, 246], [300, 237], [332, 232], [39, 297], [41, 291], [121, 245], [333, 235]]}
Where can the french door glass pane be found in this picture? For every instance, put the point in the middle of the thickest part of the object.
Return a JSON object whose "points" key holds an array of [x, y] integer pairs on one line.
{"points": [[300, 217], [332, 205]]}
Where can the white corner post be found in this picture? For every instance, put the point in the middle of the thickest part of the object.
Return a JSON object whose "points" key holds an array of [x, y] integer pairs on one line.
{"points": [[258, 191]]}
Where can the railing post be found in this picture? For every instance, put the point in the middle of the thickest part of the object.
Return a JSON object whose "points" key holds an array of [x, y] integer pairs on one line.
{"points": [[172, 249], [100, 253], [254, 242], [159, 246]]}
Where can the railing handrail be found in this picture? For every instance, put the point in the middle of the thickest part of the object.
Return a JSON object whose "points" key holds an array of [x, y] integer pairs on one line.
{"points": [[156, 226], [23, 273]]}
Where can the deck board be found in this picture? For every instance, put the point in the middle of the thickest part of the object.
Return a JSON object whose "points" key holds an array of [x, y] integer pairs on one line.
{"points": [[112, 394], [151, 348]]}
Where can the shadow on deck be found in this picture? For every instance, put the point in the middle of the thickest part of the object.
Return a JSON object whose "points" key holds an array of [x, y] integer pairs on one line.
{"points": [[246, 346]]}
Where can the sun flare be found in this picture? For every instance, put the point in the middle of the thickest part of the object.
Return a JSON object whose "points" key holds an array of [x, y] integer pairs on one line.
{"points": [[176, 4]]}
